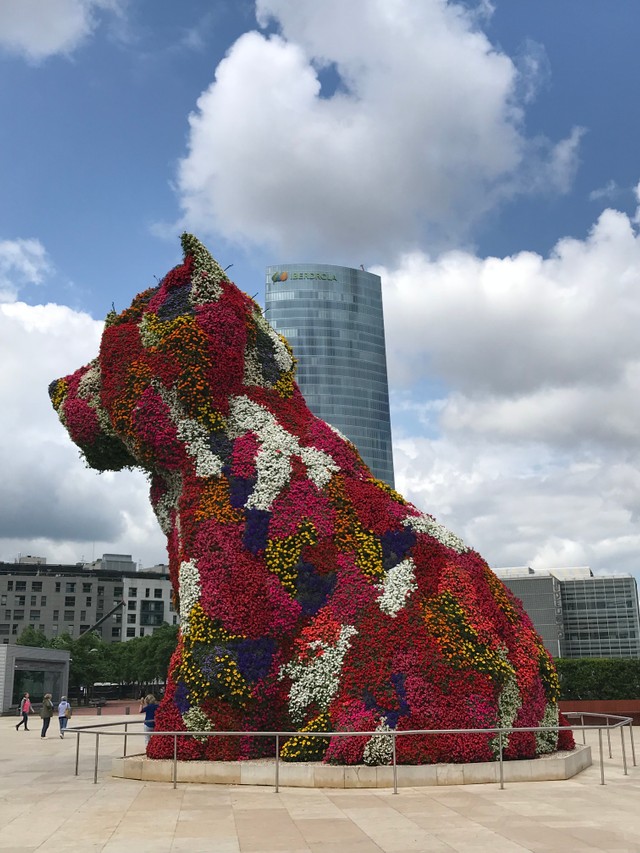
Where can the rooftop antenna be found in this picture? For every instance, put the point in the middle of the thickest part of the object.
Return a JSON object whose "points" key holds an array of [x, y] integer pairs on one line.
{"points": [[362, 268], [227, 268]]}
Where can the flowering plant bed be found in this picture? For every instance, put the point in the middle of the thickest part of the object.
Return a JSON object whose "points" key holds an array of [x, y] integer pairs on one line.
{"points": [[311, 595]]}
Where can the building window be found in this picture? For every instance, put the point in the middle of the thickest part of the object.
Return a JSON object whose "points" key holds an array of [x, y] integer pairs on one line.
{"points": [[4, 629], [133, 591], [9, 586], [7, 614], [88, 601], [69, 615], [157, 593], [131, 618], [131, 605], [86, 587], [175, 620], [100, 590], [20, 600], [147, 593], [117, 591], [36, 586], [142, 632], [34, 600], [3, 600], [115, 632], [56, 615], [18, 614], [70, 587], [131, 632], [34, 615], [21, 586], [69, 601], [84, 628], [14, 629], [43, 601], [83, 615], [70, 630], [57, 586]]}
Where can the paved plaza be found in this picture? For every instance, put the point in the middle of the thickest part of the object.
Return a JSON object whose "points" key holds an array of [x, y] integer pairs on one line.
{"points": [[43, 806]]}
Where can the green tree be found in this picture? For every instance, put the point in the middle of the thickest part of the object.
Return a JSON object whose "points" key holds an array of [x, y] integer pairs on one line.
{"points": [[31, 636]]}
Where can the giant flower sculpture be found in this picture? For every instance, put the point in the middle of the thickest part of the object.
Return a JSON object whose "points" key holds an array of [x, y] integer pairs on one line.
{"points": [[312, 597]]}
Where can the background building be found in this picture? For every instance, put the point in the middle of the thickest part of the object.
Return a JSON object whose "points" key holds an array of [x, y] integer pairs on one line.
{"points": [[579, 614], [36, 671], [59, 599], [332, 317]]}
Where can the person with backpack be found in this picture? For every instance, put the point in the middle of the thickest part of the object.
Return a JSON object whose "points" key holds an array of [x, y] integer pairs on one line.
{"points": [[25, 710], [46, 713], [64, 712]]}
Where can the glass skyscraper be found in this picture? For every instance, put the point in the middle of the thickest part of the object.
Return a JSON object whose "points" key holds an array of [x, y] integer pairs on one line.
{"points": [[332, 317]]}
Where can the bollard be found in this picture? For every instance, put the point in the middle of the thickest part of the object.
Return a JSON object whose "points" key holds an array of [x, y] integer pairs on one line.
{"points": [[99, 711], [127, 710]]}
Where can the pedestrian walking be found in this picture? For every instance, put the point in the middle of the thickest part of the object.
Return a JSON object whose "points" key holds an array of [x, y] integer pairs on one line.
{"points": [[148, 707], [25, 710], [46, 713], [64, 712]]}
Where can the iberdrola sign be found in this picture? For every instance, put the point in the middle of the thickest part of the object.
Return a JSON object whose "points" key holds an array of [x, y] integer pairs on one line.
{"points": [[297, 276]]}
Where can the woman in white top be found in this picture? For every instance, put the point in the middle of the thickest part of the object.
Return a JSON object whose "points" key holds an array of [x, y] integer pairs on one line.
{"points": [[64, 712]]}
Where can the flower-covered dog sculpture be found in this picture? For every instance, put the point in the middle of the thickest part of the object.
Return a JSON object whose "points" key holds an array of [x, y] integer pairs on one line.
{"points": [[311, 595]]}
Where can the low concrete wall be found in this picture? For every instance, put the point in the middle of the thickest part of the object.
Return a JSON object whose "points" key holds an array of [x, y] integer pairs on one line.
{"points": [[316, 775], [618, 707]]}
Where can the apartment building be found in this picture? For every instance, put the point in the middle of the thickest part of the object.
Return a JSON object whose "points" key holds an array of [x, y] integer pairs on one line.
{"points": [[110, 594]]}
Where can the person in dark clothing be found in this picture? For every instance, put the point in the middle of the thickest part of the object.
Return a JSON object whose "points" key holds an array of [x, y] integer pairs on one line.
{"points": [[46, 713], [25, 710], [148, 707]]}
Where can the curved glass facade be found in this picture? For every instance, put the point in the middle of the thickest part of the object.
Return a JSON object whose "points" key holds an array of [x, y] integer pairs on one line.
{"points": [[332, 317]]}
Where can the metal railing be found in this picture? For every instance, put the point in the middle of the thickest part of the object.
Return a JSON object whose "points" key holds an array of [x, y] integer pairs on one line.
{"points": [[612, 722]]}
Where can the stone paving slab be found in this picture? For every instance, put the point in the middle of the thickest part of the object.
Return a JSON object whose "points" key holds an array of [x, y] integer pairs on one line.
{"points": [[43, 806]]}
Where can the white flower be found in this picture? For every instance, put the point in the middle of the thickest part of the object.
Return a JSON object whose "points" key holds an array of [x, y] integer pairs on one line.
{"points": [[196, 720], [280, 352], [548, 741], [397, 585], [379, 748], [316, 681], [509, 703], [426, 524], [164, 508], [277, 446], [196, 439], [189, 590]]}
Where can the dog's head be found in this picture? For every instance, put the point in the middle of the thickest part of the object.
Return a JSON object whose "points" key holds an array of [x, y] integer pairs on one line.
{"points": [[168, 368]]}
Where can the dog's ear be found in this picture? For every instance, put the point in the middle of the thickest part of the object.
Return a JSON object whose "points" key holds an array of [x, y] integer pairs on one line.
{"points": [[268, 358], [76, 399]]}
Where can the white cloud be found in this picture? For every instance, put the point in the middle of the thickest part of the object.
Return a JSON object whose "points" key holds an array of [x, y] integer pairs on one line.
{"points": [[37, 29], [533, 454], [393, 154], [52, 505], [22, 262]]}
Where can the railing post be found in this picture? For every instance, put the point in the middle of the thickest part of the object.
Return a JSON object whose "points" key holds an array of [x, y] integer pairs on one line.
{"points": [[609, 737], [501, 762], [126, 729], [277, 790], [601, 757], [175, 761], [584, 734], [77, 751], [395, 763], [95, 765], [624, 751], [633, 748]]}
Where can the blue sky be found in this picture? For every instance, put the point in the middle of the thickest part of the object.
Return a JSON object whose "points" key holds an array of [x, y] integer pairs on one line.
{"points": [[481, 157]]}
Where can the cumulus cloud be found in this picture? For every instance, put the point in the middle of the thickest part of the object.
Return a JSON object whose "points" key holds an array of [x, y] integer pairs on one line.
{"points": [[52, 505], [22, 262], [389, 154], [37, 29], [533, 451]]}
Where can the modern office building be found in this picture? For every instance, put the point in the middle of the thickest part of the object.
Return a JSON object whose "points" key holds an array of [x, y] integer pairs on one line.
{"points": [[577, 613], [59, 599], [332, 317]]}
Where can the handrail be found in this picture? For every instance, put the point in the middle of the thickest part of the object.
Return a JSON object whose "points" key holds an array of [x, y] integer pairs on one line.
{"points": [[620, 722]]}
